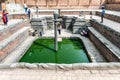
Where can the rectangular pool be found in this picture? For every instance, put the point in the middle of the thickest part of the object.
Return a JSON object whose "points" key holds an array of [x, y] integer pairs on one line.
{"points": [[70, 50]]}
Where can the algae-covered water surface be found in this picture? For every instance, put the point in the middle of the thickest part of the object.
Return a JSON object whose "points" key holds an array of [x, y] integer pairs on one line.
{"points": [[69, 51]]}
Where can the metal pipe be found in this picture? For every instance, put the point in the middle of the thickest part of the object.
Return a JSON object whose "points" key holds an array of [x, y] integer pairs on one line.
{"points": [[55, 30]]}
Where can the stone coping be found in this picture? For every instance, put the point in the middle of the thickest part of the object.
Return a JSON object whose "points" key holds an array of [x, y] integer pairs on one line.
{"points": [[107, 43], [53, 66]]}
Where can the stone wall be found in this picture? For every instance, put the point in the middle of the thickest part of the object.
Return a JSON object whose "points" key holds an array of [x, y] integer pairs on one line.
{"points": [[62, 4], [110, 16], [109, 33], [107, 54]]}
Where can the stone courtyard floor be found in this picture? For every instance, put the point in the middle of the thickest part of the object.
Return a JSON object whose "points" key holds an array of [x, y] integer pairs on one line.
{"points": [[36, 74]]}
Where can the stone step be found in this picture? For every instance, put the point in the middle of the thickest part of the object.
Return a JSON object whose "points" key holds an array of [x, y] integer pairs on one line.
{"points": [[12, 26], [10, 43], [112, 15], [108, 50], [16, 55], [109, 28]]}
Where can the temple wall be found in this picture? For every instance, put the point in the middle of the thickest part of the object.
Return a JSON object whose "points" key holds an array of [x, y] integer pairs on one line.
{"points": [[113, 1], [62, 4], [113, 5]]}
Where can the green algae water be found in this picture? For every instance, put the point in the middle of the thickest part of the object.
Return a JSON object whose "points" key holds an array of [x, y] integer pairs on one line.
{"points": [[69, 51]]}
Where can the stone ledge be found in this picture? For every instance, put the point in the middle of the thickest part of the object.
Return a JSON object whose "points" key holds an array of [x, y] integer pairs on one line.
{"points": [[51, 66]]}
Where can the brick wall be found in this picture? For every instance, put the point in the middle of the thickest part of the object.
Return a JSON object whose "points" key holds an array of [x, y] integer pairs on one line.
{"points": [[110, 16], [113, 7], [113, 1], [63, 4], [107, 54], [110, 34], [13, 44]]}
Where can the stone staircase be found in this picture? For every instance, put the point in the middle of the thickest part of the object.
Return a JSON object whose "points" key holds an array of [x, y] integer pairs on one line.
{"points": [[12, 27], [106, 36], [11, 36]]}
